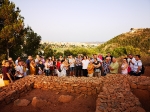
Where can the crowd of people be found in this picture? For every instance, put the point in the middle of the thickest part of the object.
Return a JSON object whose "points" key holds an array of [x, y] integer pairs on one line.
{"points": [[94, 66]]}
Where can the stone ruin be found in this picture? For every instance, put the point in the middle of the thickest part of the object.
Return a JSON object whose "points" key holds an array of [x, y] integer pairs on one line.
{"points": [[116, 93]]}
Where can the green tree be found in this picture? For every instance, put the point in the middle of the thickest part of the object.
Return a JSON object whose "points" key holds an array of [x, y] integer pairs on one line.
{"points": [[12, 32], [58, 54], [67, 52], [31, 42]]}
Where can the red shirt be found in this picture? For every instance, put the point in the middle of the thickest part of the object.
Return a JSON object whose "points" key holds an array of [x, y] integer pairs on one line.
{"points": [[58, 64]]}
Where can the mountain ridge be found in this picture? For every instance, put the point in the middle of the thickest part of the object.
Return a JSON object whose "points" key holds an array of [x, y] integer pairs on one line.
{"points": [[136, 38]]}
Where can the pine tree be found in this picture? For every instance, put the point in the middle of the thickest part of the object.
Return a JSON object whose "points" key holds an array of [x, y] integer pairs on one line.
{"points": [[12, 32]]}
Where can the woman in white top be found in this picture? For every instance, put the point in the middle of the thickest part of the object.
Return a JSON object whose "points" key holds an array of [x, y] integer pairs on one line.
{"points": [[85, 63], [46, 69], [62, 72], [124, 67], [71, 63]]}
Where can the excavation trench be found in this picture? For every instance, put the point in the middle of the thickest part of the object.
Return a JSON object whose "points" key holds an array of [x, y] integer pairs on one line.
{"points": [[111, 93]]}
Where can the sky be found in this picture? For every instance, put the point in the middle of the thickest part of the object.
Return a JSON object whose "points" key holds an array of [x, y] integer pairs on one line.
{"points": [[84, 20]]}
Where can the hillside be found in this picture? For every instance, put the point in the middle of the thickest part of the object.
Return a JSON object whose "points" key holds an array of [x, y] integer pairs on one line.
{"points": [[138, 39]]}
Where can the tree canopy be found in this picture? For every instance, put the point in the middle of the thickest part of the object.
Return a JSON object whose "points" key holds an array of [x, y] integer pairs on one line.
{"points": [[15, 38]]}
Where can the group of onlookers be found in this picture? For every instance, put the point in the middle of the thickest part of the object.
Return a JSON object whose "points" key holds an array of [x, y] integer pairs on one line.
{"points": [[96, 66]]}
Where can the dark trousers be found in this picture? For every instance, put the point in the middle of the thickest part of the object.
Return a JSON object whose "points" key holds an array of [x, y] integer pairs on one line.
{"points": [[135, 74], [78, 70], [47, 72], [85, 72]]}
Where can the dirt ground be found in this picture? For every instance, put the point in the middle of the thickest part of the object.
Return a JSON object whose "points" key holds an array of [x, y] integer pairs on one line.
{"points": [[80, 103]]}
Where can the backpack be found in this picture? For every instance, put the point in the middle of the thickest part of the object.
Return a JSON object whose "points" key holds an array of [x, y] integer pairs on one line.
{"points": [[129, 69], [142, 69]]}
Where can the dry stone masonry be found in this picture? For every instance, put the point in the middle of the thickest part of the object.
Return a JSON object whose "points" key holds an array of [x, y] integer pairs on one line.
{"points": [[115, 92], [140, 86], [80, 85], [116, 96]]}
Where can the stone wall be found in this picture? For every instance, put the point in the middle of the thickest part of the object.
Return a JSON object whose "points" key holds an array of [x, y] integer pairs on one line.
{"points": [[87, 86], [140, 86], [81, 85], [15, 90], [116, 96], [115, 92]]}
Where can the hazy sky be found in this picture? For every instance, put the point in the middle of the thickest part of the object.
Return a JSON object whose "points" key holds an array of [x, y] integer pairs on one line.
{"points": [[84, 20]]}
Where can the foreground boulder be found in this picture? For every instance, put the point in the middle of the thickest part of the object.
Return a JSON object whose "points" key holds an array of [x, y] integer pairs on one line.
{"points": [[65, 98], [21, 102], [37, 102]]}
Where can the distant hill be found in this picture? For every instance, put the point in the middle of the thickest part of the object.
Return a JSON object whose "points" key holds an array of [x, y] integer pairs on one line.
{"points": [[135, 39]]}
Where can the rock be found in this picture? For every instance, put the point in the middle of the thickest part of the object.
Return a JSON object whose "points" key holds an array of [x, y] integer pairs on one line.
{"points": [[65, 98], [75, 85], [133, 86], [140, 109], [37, 102], [80, 96], [57, 93], [142, 87], [21, 102], [83, 88], [88, 85]]}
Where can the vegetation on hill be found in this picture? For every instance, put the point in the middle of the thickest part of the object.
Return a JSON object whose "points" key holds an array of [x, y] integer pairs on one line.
{"points": [[136, 41], [49, 50]]}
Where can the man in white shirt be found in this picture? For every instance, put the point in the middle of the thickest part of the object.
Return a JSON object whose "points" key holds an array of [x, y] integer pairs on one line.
{"points": [[131, 61], [19, 70], [137, 66], [16, 62]]}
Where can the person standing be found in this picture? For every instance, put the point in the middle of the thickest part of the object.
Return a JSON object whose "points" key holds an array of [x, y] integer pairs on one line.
{"points": [[62, 72], [97, 71], [25, 69], [90, 69], [60, 58], [106, 65], [51, 66], [11, 68], [37, 59], [131, 61], [40, 68], [47, 67], [6, 76], [28, 64], [137, 66], [114, 66], [78, 63], [85, 63], [124, 67], [32, 67], [66, 63], [71, 63], [19, 70], [110, 56]]}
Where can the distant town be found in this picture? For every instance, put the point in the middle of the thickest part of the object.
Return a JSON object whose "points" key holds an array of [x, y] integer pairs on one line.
{"points": [[79, 44]]}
